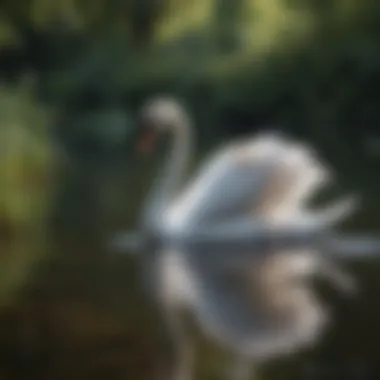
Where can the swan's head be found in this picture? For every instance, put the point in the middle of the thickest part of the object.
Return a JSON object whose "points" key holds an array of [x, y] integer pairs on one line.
{"points": [[160, 115]]}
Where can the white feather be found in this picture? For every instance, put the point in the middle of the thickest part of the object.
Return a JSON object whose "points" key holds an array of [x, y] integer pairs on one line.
{"points": [[230, 175]]}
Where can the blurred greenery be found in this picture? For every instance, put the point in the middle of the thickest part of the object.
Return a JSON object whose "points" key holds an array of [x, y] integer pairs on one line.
{"points": [[25, 172], [73, 74]]}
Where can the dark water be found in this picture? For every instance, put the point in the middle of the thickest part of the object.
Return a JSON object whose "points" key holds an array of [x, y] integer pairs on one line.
{"points": [[80, 314]]}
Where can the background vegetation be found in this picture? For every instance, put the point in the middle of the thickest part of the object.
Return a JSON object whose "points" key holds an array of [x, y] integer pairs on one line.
{"points": [[74, 72]]}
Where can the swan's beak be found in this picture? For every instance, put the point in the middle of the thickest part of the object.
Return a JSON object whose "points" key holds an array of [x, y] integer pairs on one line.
{"points": [[147, 141]]}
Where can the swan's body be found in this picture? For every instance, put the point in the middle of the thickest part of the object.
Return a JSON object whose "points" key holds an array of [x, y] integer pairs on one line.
{"points": [[257, 304], [254, 300]]}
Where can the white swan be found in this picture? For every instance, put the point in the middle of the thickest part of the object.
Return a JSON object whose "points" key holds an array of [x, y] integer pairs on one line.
{"points": [[233, 248]]}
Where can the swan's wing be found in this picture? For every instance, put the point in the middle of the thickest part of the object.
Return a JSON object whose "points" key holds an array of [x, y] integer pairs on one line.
{"points": [[266, 177], [299, 174], [229, 184]]}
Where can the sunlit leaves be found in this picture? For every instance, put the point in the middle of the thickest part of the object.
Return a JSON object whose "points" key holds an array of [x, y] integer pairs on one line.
{"points": [[25, 171]]}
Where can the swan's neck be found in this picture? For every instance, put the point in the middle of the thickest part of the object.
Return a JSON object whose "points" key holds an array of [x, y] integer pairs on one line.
{"points": [[170, 178], [177, 162]]}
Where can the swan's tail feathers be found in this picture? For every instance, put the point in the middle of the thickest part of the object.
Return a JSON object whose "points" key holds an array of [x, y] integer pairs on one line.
{"points": [[296, 177], [127, 242], [332, 214], [340, 210]]}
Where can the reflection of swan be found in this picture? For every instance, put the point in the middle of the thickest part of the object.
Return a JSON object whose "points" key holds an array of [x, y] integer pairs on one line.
{"points": [[201, 245]]}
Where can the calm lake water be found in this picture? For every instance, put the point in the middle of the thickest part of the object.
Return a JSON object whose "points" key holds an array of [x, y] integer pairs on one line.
{"points": [[79, 313]]}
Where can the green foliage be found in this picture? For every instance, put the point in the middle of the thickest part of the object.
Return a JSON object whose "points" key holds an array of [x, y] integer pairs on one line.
{"points": [[25, 184], [310, 67]]}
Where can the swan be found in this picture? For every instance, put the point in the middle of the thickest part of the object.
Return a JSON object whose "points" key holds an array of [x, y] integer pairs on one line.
{"points": [[237, 245]]}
